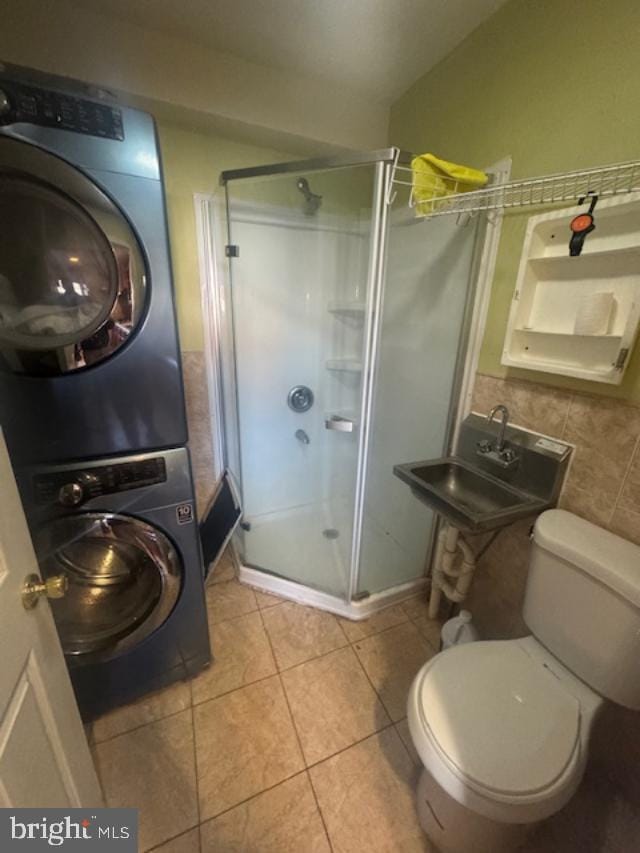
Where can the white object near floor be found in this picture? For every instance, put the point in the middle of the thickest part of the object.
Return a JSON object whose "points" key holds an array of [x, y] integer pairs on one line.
{"points": [[44, 756], [578, 316], [459, 630]]}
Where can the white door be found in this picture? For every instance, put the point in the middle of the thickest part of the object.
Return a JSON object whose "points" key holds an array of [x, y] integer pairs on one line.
{"points": [[44, 755]]}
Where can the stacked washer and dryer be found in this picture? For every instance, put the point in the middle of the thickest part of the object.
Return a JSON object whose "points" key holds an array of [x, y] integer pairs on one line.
{"points": [[91, 395]]}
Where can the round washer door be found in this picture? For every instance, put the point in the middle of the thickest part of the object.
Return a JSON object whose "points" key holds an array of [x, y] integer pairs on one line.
{"points": [[72, 275], [124, 580]]}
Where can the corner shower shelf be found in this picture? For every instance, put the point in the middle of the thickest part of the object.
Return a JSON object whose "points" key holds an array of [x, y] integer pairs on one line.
{"points": [[348, 365], [577, 316], [346, 308]]}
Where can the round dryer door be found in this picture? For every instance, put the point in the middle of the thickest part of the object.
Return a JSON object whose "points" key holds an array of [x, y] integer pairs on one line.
{"points": [[123, 581], [72, 277]]}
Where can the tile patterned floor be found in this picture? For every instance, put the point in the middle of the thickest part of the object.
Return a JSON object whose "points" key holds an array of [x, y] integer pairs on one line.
{"points": [[293, 740]]}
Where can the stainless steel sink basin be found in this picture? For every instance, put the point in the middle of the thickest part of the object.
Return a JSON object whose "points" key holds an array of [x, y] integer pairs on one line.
{"points": [[467, 497]]}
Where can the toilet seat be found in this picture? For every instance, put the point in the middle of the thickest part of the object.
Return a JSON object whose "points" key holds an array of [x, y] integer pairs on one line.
{"points": [[499, 730]]}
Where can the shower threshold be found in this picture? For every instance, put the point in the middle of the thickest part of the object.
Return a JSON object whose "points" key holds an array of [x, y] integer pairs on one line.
{"points": [[301, 594]]}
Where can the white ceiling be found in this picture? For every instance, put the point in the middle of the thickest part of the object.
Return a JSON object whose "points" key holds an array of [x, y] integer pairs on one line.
{"points": [[377, 47]]}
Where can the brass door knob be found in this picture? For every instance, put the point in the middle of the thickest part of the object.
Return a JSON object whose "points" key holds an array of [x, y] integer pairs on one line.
{"points": [[34, 588]]}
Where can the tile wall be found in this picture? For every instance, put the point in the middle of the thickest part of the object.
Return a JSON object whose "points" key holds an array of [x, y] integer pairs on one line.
{"points": [[603, 486], [603, 483], [199, 423]]}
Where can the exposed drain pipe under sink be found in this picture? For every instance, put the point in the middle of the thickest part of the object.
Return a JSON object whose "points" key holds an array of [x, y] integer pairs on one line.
{"points": [[453, 581]]}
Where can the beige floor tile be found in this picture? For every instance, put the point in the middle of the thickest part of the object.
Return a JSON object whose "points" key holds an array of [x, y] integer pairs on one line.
{"points": [[333, 704], [430, 630], [267, 599], [366, 797], [245, 743], [300, 633], [417, 605], [223, 571], [283, 820], [153, 769], [150, 708], [189, 842], [229, 599], [596, 820], [391, 660], [241, 655], [405, 736], [380, 621]]}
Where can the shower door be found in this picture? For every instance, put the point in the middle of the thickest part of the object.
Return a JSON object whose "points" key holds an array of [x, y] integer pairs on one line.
{"points": [[422, 340], [302, 310]]}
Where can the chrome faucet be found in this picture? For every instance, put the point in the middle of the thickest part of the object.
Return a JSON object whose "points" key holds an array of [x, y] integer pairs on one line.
{"points": [[503, 424], [503, 456]]}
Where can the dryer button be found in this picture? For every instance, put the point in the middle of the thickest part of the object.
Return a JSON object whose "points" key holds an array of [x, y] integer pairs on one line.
{"points": [[5, 105], [71, 494]]}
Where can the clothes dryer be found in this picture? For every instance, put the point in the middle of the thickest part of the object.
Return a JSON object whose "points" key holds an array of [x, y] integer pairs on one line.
{"points": [[89, 355]]}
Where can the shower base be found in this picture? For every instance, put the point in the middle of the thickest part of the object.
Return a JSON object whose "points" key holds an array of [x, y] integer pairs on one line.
{"points": [[304, 553], [355, 610]]}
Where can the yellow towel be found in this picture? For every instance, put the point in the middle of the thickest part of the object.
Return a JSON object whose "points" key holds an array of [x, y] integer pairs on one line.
{"points": [[434, 178]]}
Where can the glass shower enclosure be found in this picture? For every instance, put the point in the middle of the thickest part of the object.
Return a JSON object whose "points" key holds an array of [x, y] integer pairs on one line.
{"points": [[343, 334]]}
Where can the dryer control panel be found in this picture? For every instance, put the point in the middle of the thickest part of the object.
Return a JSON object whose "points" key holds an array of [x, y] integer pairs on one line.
{"points": [[20, 102], [73, 487]]}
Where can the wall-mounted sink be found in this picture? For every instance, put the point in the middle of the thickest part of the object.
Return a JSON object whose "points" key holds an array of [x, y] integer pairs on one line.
{"points": [[467, 497], [475, 491]]}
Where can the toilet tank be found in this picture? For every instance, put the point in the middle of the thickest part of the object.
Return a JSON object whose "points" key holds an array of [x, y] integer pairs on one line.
{"points": [[582, 603]]}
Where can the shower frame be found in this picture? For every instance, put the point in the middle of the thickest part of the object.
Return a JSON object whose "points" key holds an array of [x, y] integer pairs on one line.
{"points": [[215, 256]]}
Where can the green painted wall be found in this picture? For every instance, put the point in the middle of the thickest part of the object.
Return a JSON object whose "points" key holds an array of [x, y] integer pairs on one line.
{"points": [[192, 163], [556, 85]]}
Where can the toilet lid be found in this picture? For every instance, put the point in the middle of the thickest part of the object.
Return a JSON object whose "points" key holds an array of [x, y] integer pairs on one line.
{"points": [[501, 719]]}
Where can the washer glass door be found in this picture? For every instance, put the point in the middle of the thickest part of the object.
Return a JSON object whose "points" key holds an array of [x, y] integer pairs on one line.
{"points": [[72, 279], [124, 580]]}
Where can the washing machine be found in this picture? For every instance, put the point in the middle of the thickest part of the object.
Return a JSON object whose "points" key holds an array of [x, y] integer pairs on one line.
{"points": [[89, 355], [122, 534]]}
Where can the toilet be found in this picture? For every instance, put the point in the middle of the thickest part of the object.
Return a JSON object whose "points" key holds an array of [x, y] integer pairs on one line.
{"points": [[502, 727]]}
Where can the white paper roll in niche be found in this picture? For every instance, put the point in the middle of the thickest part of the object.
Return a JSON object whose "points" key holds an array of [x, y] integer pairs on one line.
{"points": [[594, 313]]}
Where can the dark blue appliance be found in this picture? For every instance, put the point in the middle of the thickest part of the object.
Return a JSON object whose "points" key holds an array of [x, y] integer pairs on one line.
{"points": [[89, 355], [123, 532]]}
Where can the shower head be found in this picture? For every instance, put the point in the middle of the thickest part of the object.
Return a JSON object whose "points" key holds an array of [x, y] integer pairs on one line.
{"points": [[312, 200]]}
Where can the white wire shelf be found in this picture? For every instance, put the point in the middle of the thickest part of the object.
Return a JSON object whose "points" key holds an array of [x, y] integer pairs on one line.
{"points": [[446, 195]]}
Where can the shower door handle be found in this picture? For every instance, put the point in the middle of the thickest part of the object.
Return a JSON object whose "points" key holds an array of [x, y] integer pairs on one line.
{"points": [[338, 423]]}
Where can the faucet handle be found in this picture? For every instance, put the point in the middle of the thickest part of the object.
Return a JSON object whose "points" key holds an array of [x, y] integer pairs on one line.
{"points": [[509, 455]]}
